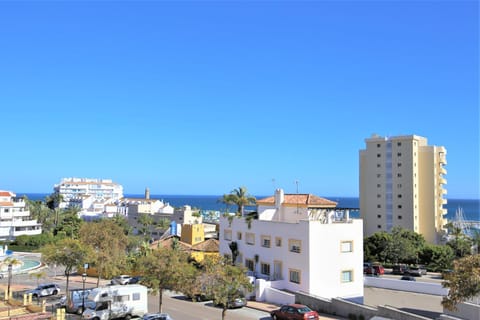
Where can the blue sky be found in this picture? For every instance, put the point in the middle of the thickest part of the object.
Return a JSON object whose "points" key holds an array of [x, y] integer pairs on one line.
{"points": [[203, 97]]}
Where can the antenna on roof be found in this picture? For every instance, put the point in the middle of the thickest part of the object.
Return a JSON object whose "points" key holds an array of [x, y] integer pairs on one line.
{"points": [[296, 182]]}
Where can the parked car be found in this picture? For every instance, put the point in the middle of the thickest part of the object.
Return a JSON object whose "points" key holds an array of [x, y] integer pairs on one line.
{"points": [[234, 303], [423, 269], [375, 270], [294, 311], [121, 279], [408, 278], [49, 289], [400, 269], [134, 280], [157, 316], [415, 271]]}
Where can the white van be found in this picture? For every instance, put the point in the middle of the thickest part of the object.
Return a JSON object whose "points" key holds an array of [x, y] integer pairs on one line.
{"points": [[118, 301]]}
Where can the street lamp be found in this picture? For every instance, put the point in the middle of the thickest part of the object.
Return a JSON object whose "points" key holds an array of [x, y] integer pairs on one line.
{"points": [[9, 280], [84, 277]]}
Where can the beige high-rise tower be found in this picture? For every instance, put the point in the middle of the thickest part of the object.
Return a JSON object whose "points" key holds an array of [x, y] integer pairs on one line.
{"points": [[401, 184]]}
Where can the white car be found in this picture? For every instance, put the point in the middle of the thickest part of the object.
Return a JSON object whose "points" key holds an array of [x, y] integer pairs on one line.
{"points": [[43, 290], [121, 279]]}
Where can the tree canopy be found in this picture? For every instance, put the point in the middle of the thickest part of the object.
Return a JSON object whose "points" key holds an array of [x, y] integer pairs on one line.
{"points": [[463, 282]]}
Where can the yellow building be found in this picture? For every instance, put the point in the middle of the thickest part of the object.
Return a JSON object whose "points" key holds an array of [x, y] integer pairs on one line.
{"points": [[401, 184], [192, 240]]}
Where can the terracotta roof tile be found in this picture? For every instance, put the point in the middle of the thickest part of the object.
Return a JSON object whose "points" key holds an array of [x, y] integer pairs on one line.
{"points": [[209, 245], [5, 194], [304, 200]]}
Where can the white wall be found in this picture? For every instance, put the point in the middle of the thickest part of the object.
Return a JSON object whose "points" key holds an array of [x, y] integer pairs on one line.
{"points": [[320, 261]]}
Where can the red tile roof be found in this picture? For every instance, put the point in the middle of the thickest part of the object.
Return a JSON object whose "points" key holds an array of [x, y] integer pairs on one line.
{"points": [[6, 194], [303, 200]]}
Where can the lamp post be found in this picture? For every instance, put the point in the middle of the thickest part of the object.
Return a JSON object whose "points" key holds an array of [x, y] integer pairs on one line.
{"points": [[84, 277], [9, 280]]}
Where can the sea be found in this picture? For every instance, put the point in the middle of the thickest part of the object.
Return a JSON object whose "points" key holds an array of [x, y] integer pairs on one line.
{"points": [[469, 207]]}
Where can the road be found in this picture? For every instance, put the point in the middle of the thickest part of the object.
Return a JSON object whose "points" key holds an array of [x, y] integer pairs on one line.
{"points": [[174, 304], [179, 308]]}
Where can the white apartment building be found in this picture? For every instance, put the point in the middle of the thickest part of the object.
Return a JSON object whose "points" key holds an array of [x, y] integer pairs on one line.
{"points": [[90, 195], [299, 243], [402, 184], [15, 217]]}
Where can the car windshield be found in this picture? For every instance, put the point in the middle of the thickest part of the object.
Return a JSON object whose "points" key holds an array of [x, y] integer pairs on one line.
{"points": [[304, 310]]}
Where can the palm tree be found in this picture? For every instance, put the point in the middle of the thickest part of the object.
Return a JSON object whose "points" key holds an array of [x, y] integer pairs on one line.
{"points": [[240, 198]]}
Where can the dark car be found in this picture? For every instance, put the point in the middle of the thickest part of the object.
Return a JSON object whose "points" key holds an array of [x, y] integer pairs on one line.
{"points": [[408, 278], [294, 311], [134, 280], [400, 269]]}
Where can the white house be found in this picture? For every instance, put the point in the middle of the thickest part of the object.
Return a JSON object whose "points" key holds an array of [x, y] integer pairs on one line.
{"points": [[15, 217], [299, 243], [90, 195]]}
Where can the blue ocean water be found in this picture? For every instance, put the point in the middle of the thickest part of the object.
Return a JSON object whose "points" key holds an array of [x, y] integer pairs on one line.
{"points": [[470, 207]]}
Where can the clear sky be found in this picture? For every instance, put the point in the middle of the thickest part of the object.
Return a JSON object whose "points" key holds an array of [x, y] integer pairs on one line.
{"points": [[201, 97]]}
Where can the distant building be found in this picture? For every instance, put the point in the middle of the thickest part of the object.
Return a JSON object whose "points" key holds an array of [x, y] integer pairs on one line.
{"points": [[300, 242], [15, 217], [402, 184], [91, 196], [157, 210]]}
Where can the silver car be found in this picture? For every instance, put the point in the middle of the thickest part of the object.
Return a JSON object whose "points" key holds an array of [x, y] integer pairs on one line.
{"points": [[157, 316], [121, 279], [43, 290]]}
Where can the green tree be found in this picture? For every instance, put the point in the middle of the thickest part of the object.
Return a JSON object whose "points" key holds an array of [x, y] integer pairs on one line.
{"points": [[145, 220], [162, 270], [240, 198], [42, 213], [225, 282], [70, 253], [53, 200], [375, 246], [108, 243], [463, 282], [69, 223], [436, 257], [404, 246]]}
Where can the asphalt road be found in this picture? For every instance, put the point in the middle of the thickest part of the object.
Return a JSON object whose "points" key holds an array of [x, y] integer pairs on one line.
{"points": [[179, 308]]}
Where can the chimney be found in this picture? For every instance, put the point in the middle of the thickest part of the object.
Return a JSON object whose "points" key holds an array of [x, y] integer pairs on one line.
{"points": [[279, 198]]}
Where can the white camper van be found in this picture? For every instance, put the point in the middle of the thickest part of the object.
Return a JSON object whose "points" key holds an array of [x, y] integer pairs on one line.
{"points": [[112, 302]]}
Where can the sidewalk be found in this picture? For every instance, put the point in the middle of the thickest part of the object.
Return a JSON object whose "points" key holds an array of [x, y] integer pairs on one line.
{"points": [[267, 307]]}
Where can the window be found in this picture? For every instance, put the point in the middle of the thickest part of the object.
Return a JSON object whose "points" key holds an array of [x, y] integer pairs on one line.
{"points": [[379, 195], [294, 275], [265, 268], [399, 154], [378, 175], [399, 196], [136, 296], [250, 238], [399, 175], [378, 155], [239, 236], [399, 206], [378, 165], [399, 144], [379, 227], [399, 164], [266, 241], [379, 216], [295, 245], [379, 206], [399, 217], [278, 241], [346, 246], [378, 145], [347, 276], [250, 264], [378, 185], [399, 185], [227, 235]]}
